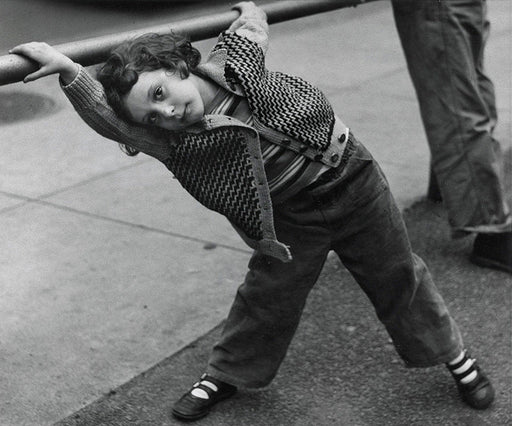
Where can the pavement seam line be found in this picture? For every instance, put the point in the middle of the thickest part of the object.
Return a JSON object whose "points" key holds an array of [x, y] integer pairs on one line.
{"points": [[28, 199], [135, 225]]}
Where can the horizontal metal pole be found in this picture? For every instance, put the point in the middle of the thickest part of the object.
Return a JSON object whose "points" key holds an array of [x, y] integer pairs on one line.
{"points": [[14, 68]]}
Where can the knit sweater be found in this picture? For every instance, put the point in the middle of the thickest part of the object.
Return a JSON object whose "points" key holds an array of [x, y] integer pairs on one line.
{"points": [[218, 161]]}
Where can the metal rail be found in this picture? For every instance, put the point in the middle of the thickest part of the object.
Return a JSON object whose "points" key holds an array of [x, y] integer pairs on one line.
{"points": [[14, 68]]}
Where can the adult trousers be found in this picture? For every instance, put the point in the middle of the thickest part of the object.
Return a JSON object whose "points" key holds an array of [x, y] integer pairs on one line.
{"points": [[443, 42], [351, 211]]}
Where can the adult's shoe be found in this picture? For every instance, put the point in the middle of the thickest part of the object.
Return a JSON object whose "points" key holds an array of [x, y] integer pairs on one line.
{"points": [[493, 251]]}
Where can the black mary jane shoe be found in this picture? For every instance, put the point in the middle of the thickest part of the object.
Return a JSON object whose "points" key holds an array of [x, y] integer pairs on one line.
{"points": [[478, 393], [191, 407]]}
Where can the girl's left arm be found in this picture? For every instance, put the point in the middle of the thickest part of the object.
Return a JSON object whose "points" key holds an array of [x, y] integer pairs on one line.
{"points": [[252, 24]]}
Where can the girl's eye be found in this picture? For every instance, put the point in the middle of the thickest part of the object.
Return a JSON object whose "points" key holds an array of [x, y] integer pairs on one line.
{"points": [[158, 93]]}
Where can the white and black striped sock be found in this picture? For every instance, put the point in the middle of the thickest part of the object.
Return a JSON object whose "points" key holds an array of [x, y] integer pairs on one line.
{"points": [[463, 368]]}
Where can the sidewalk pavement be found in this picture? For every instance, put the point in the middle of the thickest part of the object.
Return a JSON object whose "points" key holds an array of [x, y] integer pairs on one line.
{"points": [[114, 280]]}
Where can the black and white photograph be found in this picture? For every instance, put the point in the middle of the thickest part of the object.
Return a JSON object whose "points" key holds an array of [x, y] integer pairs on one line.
{"points": [[256, 213]]}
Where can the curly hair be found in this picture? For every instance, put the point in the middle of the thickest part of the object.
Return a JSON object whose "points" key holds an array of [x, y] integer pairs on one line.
{"points": [[147, 52]]}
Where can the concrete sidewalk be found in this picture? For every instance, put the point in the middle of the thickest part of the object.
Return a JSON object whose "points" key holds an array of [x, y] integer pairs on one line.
{"points": [[341, 368], [108, 266]]}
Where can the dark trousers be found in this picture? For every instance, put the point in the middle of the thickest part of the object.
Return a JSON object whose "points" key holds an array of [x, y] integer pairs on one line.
{"points": [[443, 42], [354, 214]]}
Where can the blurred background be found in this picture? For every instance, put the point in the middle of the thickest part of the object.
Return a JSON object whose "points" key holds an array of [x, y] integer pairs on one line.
{"points": [[59, 21]]}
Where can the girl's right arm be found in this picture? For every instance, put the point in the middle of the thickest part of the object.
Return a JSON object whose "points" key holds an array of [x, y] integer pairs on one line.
{"points": [[88, 98]]}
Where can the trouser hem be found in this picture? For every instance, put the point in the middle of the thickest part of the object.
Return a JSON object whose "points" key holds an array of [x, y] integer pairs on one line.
{"points": [[227, 378], [483, 229], [441, 359]]}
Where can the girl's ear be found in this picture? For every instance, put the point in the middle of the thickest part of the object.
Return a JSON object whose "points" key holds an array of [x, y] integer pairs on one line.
{"points": [[174, 73]]}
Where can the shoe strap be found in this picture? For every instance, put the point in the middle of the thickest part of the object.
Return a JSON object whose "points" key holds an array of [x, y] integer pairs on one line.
{"points": [[209, 385], [466, 373], [206, 389], [213, 380]]}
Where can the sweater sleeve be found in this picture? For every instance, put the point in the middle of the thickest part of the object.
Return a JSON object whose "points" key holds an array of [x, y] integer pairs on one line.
{"points": [[88, 98], [251, 24]]}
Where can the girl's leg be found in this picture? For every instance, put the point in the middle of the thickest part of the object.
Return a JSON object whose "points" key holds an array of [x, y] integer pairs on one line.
{"points": [[370, 238], [400, 288], [263, 317], [372, 242], [268, 306], [265, 312]]}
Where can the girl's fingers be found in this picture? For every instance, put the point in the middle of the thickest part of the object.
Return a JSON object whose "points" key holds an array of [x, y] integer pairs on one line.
{"points": [[32, 50], [31, 77], [23, 50], [17, 49], [36, 75]]}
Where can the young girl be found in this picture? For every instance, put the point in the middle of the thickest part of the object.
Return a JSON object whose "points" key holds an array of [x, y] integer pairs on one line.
{"points": [[266, 150]]}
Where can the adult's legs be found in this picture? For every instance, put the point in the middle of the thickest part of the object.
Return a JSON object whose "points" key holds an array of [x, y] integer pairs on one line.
{"points": [[485, 84], [444, 42]]}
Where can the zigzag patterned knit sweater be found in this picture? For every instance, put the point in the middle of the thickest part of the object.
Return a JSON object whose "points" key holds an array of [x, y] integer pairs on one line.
{"points": [[217, 167], [220, 162]]}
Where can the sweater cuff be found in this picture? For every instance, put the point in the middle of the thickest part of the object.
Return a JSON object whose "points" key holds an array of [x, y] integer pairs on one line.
{"points": [[84, 91], [276, 249]]}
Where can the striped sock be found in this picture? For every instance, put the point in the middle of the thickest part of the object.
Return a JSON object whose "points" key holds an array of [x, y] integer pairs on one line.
{"points": [[463, 368]]}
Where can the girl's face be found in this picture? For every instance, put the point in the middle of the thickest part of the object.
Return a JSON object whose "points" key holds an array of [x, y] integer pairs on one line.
{"points": [[163, 99]]}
